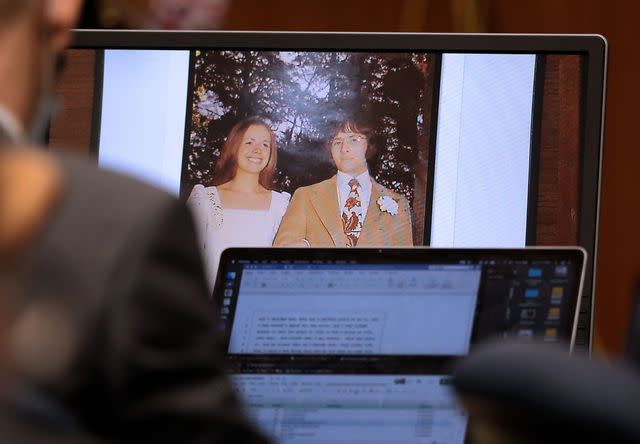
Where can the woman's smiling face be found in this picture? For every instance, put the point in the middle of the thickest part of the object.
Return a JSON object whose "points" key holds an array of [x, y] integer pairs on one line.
{"points": [[254, 150]]}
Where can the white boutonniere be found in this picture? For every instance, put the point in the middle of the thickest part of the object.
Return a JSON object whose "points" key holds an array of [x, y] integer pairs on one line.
{"points": [[388, 204]]}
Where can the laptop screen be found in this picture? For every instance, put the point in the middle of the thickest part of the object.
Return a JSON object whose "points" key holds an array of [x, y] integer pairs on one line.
{"points": [[351, 345], [393, 302], [303, 408]]}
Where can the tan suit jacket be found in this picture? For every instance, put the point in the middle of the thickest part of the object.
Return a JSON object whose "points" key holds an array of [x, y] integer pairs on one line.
{"points": [[313, 215]]}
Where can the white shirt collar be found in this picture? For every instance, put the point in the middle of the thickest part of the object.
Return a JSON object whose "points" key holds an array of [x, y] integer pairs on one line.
{"points": [[11, 125], [364, 179]]}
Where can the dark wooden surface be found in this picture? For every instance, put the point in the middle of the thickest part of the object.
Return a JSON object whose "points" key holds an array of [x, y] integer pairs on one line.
{"points": [[619, 247], [559, 178], [72, 127]]}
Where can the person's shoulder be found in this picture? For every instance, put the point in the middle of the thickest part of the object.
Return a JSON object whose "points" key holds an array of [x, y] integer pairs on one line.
{"points": [[112, 208], [281, 196], [199, 191], [199, 188], [103, 223], [104, 192], [280, 202], [331, 181], [325, 184]]}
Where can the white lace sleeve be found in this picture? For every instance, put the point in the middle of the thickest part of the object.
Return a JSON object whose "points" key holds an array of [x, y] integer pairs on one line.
{"points": [[215, 208], [279, 207], [206, 208], [197, 203]]}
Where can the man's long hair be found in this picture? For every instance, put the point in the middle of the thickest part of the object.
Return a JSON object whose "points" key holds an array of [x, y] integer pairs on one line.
{"points": [[356, 127]]}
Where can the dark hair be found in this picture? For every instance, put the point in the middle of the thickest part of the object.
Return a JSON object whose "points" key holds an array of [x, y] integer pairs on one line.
{"points": [[227, 165], [351, 126]]}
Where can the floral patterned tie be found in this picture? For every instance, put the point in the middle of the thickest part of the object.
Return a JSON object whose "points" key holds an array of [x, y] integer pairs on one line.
{"points": [[352, 214]]}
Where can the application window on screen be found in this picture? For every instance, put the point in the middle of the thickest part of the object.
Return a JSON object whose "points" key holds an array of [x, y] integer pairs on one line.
{"points": [[369, 309], [296, 409]]}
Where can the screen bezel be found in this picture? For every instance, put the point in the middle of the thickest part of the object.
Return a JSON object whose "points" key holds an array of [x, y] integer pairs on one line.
{"points": [[576, 255], [593, 47]]}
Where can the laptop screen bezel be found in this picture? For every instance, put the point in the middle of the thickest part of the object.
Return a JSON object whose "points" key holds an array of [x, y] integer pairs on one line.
{"points": [[424, 255]]}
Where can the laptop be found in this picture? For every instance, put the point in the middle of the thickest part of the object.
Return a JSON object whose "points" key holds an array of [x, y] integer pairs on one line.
{"points": [[346, 345]]}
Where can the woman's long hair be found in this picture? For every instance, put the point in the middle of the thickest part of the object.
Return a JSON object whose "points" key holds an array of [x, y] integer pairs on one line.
{"points": [[227, 165]]}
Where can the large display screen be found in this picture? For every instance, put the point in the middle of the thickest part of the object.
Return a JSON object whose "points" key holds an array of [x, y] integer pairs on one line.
{"points": [[326, 148]]}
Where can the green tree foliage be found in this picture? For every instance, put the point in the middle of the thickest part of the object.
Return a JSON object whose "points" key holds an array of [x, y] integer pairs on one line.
{"points": [[302, 95]]}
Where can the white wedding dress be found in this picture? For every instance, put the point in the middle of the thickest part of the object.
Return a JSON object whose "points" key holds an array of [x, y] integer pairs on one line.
{"points": [[219, 228]]}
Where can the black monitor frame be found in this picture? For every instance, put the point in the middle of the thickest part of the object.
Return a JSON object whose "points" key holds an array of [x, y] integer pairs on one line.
{"points": [[594, 47]]}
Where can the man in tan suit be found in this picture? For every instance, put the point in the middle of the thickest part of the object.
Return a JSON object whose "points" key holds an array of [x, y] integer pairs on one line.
{"points": [[350, 209]]}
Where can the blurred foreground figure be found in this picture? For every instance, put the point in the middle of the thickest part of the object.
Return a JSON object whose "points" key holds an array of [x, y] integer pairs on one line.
{"points": [[21, 218], [537, 393], [111, 332]]}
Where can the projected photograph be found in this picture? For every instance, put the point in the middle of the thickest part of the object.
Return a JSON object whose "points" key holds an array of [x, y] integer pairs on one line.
{"points": [[308, 148], [448, 149]]}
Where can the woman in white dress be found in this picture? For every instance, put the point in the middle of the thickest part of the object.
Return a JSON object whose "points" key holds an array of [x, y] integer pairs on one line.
{"points": [[239, 208]]}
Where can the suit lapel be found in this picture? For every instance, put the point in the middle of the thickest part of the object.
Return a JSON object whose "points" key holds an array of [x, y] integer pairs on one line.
{"points": [[325, 202], [374, 215]]}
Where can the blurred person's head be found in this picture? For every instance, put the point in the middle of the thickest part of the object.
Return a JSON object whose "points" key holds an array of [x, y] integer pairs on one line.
{"points": [[154, 14], [33, 35], [250, 148], [536, 392]]}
